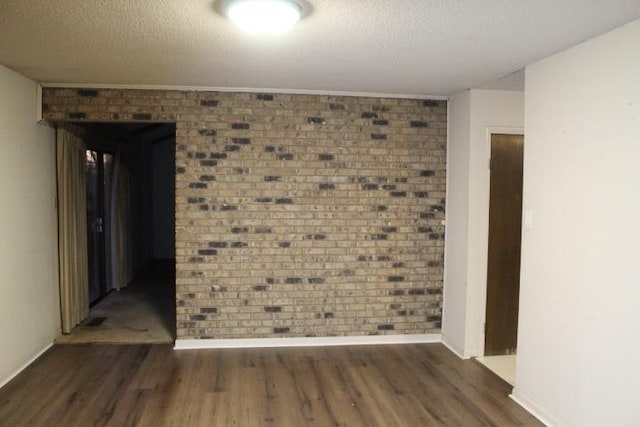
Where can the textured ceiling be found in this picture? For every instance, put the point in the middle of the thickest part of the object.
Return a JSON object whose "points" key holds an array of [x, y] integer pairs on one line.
{"points": [[416, 47]]}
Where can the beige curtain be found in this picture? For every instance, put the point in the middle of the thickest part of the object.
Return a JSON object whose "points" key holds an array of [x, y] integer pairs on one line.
{"points": [[121, 256], [72, 226]]}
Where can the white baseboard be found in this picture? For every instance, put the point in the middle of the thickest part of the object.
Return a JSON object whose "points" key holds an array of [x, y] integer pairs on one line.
{"points": [[11, 376], [454, 349], [534, 409], [193, 344]]}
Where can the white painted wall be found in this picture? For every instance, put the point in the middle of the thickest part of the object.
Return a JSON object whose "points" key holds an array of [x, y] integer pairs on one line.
{"points": [[579, 330], [457, 219], [474, 115], [29, 304]]}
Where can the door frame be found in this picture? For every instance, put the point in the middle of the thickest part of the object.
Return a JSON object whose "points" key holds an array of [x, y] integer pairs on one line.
{"points": [[481, 303]]}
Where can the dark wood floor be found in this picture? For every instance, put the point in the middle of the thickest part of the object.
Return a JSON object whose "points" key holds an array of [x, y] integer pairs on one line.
{"points": [[153, 385]]}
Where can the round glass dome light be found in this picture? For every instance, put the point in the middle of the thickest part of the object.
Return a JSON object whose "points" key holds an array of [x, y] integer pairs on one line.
{"points": [[264, 16]]}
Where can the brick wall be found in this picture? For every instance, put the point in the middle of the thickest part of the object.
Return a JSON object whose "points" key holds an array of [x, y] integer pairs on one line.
{"points": [[296, 215]]}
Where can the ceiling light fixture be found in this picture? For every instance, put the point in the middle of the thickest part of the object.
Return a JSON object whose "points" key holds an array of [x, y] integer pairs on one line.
{"points": [[264, 16]]}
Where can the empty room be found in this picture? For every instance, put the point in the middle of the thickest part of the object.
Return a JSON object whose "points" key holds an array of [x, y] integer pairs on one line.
{"points": [[319, 212]]}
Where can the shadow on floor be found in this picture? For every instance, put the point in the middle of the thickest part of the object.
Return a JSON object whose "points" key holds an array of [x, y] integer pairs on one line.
{"points": [[142, 313]]}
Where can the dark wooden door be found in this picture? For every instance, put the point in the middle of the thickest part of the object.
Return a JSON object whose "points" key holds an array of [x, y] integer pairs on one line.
{"points": [[505, 227]]}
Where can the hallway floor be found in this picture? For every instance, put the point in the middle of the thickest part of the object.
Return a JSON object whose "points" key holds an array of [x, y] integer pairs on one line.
{"points": [[142, 313], [502, 366]]}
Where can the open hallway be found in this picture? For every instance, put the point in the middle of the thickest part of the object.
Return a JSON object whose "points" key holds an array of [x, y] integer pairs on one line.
{"points": [[142, 313]]}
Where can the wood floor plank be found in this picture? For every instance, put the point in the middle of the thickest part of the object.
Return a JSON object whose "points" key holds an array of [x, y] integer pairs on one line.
{"points": [[153, 385]]}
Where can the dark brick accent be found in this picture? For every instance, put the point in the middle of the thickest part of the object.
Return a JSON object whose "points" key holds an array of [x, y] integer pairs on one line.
{"points": [[207, 252], [419, 124], [284, 201], [209, 310], [434, 291], [385, 327], [316, 120], [262, 230], [263, 200], [398, 265], [326, 157], [197, 185], [437, 208], [196, 259], [416, 292], [273, 309], [272, 178], [208, 132], [87, 92], [239, 244], [395, 279], [316, 280], [427, 215], [422, 194], [264, 97], [241, 141], [378, 136], [384, 258], [241, 171], [196, 317], [238, 230], [285, 156], [434, 236], [281, 330], [316, 236], [209, 102], [369, 115], [207, 178], [390, 229], [425, 229], [380, 108], [401, 312], [378, 237], [208, 163], [260, 288], [270, 280], [381, 122], [218, 244], [141, 116], [284, 244], [269, 149], [389, 187], [218, 156], [195, 200], [363, 258], [240, 126], [326, 186], [398, 194], [203, 207], [292, 280], [437, 318], [369, 187], [328, 315], [427, 173], [380, 208], [77, 116], [434, 264], [430, 103], [228, 208], [231, 148]]}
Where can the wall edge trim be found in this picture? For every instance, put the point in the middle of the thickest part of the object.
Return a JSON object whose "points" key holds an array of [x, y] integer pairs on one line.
{"points": [[534, 409], [196, 344], [453, 348], [242, 90], [25, 365]]}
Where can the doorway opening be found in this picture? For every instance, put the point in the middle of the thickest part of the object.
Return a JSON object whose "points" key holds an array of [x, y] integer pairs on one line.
{"points": [[504, 251], [130, 174]]}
